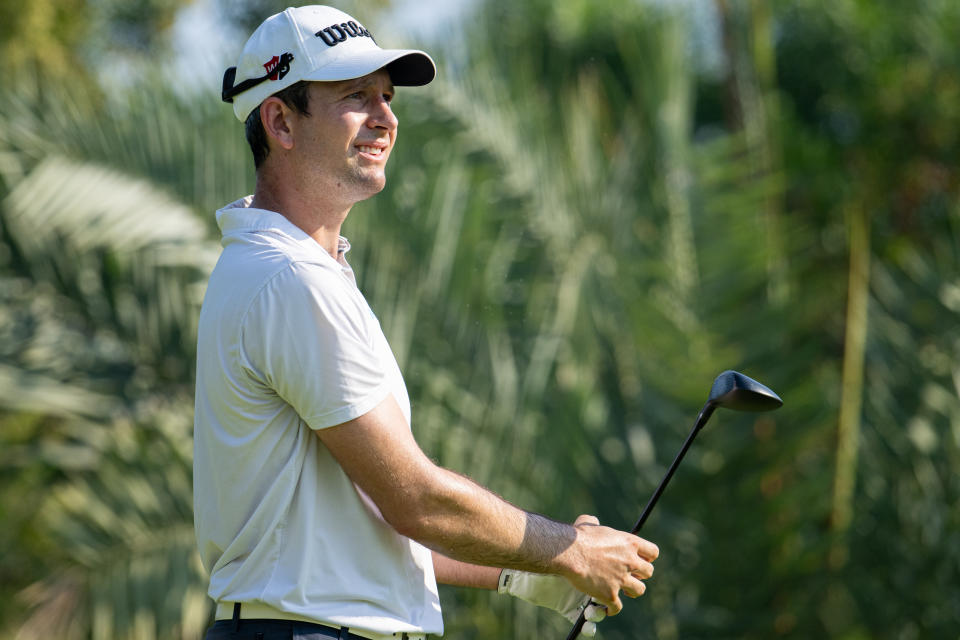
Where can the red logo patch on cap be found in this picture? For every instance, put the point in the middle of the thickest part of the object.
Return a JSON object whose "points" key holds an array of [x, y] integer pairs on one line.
{"points": [[278, 66]]}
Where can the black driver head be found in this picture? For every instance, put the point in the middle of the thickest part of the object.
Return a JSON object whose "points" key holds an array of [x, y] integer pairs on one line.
{"points": [[733, 390]]}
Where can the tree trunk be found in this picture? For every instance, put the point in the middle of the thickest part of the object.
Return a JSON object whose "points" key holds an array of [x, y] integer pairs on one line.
{"points": [[851, 399]]}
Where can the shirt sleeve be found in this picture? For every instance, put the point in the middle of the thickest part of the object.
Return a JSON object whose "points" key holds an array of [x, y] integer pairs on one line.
{"points": [[309, 337]]}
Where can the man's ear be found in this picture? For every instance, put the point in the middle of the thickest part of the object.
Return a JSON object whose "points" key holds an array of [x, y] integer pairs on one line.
{"points": [[276, 117]]}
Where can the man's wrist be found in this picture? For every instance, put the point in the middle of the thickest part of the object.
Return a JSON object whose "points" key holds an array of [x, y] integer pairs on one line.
{"points": [[551, 547], [570, 563]]}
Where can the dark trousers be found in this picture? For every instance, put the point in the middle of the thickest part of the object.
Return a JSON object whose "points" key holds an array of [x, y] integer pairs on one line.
{"points": [[269, 630], [274, 630]]}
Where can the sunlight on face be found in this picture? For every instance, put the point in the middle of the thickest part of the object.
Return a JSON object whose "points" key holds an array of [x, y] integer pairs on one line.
{"points": [[346, 141]]}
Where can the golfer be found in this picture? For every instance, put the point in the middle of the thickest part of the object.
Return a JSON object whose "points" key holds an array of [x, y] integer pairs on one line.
{"points": [[317, 515]]}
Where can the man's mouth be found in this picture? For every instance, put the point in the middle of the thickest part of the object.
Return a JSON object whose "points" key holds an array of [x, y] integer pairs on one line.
{"points": [[373, 151]]}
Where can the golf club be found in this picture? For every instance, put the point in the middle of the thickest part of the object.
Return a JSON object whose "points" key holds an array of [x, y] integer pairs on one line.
{"points": [[730, 390]]}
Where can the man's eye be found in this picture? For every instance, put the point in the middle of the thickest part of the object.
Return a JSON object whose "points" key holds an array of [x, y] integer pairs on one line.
{"points": [[387, 97]]}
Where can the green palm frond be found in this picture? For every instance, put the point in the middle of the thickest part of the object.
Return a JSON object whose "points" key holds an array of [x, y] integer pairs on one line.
{"points": [[124, 534], [88, 208], [101, 284], [35, 393], [123, 261]]}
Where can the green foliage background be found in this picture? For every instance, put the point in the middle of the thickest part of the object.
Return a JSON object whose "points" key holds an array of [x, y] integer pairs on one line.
{"points": [[597, 207]]}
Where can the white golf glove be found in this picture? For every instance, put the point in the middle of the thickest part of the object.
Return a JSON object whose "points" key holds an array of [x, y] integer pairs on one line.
{"points": [[552, 592]]}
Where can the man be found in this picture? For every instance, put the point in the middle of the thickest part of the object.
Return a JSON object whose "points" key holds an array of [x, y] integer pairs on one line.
{"points": [[316, 512]]}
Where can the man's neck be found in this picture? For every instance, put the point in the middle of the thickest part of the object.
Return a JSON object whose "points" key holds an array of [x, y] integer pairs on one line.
{"points": [[319, 219]]}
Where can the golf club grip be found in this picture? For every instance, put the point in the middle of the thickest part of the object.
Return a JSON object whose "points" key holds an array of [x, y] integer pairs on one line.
{"points": [[582, 620], [578, 625]]}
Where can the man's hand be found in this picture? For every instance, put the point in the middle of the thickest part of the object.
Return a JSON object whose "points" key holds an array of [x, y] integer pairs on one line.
{"points": [[552, 592], [604, 561]]}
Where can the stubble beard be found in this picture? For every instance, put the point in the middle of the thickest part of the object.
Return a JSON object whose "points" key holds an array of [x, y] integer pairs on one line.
{"points": [[364, 182]]}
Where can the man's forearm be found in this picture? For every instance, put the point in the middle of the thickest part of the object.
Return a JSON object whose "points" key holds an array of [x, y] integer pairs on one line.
{"points": [[460, 519], [466, 522], [463, 574]]}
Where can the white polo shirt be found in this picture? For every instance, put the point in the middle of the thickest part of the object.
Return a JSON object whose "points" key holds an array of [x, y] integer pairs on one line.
{"points": [[287, 344]]}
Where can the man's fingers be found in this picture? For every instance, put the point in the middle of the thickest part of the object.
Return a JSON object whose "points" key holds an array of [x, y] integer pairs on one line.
{"points": [[614, 607], [586, 519], [643, 571], [595, 612], [647, 550], [589, 629], [636, 589], [636, 554]]}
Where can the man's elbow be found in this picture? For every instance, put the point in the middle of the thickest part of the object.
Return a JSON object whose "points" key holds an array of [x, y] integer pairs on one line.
{"points": [[424, 516], [409, 524]]}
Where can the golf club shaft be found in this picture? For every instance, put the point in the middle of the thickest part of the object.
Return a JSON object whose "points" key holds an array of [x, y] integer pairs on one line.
{"points": [[705, 414]]}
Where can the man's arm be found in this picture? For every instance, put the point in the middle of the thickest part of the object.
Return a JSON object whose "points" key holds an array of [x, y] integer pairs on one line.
{"points": [[456, 517], [464, 574]]}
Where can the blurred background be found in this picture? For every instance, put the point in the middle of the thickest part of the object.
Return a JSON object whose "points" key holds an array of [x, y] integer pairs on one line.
{"points": [[597, 207]]}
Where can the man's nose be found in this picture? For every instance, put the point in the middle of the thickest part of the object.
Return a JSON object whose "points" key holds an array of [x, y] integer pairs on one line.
{"points": [[381, 116]]}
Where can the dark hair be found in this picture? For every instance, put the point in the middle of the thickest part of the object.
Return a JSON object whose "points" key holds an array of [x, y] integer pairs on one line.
{"points": [[296, 97]]}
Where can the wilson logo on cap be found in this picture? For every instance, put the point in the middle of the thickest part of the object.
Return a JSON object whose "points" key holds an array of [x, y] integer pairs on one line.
{"points": [[337, 33]]}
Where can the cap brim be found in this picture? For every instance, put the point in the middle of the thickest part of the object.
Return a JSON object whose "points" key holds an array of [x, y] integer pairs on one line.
{"points": [[407, 67]]}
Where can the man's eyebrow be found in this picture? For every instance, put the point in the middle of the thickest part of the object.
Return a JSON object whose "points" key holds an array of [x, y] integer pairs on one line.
{"points": [[364, 82]]}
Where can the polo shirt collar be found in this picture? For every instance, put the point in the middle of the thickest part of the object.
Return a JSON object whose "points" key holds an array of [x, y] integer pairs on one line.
{"points": [[239, 217]]}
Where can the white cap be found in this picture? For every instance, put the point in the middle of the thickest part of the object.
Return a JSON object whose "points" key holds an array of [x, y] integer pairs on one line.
{"points": [[314, 43]]}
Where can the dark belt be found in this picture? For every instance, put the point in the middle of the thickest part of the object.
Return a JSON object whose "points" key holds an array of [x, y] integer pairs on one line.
{"points": [[271, 629]]}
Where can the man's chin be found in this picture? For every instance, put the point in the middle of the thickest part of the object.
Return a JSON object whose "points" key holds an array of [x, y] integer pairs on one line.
{"points": [[373, 181], [366, 189]]}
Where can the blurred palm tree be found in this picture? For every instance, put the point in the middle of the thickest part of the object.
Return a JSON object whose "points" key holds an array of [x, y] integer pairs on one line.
{"points": [[584, 310], [101, 278]]}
